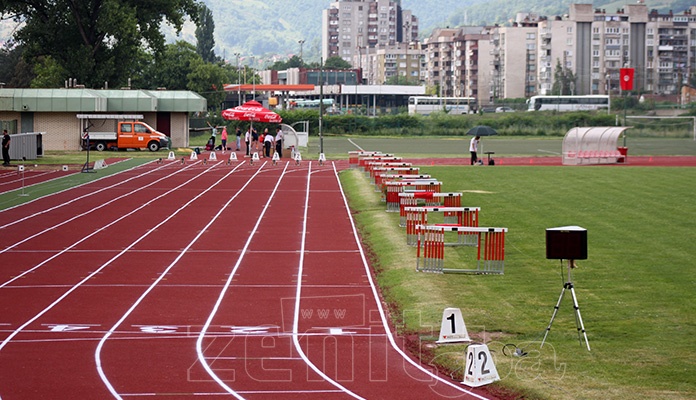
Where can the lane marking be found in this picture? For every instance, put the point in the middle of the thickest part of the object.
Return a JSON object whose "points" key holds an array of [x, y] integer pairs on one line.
{"points": [[298, 297], [97, 352], [79, 197], [378, 303], [228, 283], [355, 144]]}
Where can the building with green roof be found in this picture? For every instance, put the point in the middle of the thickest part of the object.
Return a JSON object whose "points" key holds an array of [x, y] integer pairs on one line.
{"points": [[54, 111]]}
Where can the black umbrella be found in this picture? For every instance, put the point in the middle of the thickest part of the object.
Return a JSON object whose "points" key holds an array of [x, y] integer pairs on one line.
{"points": [[482, 130]]}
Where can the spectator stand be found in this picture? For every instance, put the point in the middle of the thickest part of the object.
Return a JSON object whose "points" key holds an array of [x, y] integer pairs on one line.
{"points": [[450, 216], [593, 146], [394, 188], [490, 254], [426, 199]]}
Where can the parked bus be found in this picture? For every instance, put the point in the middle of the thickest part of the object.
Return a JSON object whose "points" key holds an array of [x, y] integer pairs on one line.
{"points": [[452, 105], [568, 103]]}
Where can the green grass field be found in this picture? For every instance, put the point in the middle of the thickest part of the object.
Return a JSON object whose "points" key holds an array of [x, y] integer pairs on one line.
{"points": [[636, 290]]}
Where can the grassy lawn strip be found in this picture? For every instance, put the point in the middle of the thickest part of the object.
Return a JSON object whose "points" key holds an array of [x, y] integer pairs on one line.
{"points": [[636, 290]]}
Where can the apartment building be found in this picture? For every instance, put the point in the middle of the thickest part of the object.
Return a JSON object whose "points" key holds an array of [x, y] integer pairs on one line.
{"points": [[352, 28]]}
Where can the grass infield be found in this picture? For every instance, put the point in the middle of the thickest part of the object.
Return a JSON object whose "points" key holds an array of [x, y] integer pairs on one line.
{"points": [[636, 290]]}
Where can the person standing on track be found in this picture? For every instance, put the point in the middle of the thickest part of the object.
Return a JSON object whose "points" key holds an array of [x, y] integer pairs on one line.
{"points": [[268, 142], [279, 142], [223, 138], [238, 132], [254, 139], [5, 148], [473, 149], [247, 140]]}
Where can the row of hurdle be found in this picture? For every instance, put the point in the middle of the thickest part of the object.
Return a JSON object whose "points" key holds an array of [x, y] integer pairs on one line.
{"points": [[433, 220]]}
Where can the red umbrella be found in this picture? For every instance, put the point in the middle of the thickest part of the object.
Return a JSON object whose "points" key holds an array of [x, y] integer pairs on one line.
{"points": [[251, 111]]}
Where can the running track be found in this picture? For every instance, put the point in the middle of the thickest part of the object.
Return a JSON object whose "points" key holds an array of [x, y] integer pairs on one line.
{"points": [[198, 280]]}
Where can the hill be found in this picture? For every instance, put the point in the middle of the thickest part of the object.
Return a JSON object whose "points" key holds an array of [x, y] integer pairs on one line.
{"points": [[270, 29]]}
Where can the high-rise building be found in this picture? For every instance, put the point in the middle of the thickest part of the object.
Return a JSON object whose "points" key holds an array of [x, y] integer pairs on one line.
{"points": [[354, 28]]}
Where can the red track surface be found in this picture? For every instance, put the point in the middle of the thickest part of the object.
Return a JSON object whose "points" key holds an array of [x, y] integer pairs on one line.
{"points": [[213, 281]]}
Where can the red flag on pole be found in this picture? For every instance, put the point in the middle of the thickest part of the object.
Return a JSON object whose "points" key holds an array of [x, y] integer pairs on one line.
{"points": [[627, 78]]}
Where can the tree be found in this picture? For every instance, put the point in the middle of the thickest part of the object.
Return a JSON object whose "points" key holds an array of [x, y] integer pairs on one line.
{"points": [[208, 80], [337, 63], [172, 67], [96, 41], [563, 80], [204, 35]]}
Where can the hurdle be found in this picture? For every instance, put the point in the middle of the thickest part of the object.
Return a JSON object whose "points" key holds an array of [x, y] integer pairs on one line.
{"points": [[362, 161], [372, 165], [375, 173], [392, 190], [353, 156], [452, 216], [430, 252], [383, 179], [425, 199]]}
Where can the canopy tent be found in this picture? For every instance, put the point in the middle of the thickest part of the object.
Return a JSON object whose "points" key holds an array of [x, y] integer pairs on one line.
{"points": [[593, 145]]}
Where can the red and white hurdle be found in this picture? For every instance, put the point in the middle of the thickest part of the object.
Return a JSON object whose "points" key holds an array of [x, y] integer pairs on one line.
{"points": [[426, 199], [490, 257], [392, 190], [452, 216]]}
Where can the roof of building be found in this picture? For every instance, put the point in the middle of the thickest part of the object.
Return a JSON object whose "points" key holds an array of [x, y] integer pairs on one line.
{"points": [[92, 100]]}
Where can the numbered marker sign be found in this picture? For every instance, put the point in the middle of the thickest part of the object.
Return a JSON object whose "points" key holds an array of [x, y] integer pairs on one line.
{"points": [[453, 328], [480, 368]]}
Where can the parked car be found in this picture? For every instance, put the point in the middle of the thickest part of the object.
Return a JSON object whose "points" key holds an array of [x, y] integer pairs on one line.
{"points": [[504, 109]]}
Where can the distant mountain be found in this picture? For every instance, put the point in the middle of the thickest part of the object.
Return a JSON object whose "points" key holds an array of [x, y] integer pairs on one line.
{"points": [[270, 29]]}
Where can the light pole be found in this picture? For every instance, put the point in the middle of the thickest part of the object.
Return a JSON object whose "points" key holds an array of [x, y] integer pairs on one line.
{"points": [[301, 42], [239, 82]]}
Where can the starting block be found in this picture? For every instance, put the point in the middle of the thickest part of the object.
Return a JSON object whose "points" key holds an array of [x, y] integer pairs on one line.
{"points": [[64, 168], [276, 158], [20, 168], [298, 158], [490, 243], [212, 156], [453, 329], [171, 156], [194, 156], [322, 159], [254, 157], [480, 368]]}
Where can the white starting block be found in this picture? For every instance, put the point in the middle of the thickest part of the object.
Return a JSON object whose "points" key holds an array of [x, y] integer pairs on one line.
{"points": [[480, 369], [194, 155], [212, 156], [254, 157], [276, 158], [100, 164], [322, 159], [171, 156], [64, 168], [453, 329], [298, 158], [20, 168]]}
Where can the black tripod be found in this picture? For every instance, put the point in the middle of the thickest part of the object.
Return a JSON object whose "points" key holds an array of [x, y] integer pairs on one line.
{"points": [[578, 317]]}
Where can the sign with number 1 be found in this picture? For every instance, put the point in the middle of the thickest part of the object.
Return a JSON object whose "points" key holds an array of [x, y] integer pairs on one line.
{"points": [[453, 328]]}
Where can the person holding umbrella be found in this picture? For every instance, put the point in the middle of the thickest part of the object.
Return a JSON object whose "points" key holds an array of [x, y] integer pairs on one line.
{"points": [[473, 148]]}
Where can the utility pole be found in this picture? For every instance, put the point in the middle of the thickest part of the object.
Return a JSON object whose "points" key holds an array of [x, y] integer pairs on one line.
{"points": [[321, 104], [239, 82], [301, 42]]}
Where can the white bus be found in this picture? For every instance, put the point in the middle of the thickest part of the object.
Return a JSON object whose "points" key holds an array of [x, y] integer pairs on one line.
{"points": [[568, 103], [452, 105]]}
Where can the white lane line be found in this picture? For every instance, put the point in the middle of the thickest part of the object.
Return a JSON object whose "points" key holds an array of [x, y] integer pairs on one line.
{"points": [[72, 246], [88, 277], [355, 144], [97, 352], [298, 297], [79, 197], [228, 283], [383, 316]]}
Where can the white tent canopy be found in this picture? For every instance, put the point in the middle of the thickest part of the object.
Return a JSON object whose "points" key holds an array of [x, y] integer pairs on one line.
{"points": [[592, 145]]}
